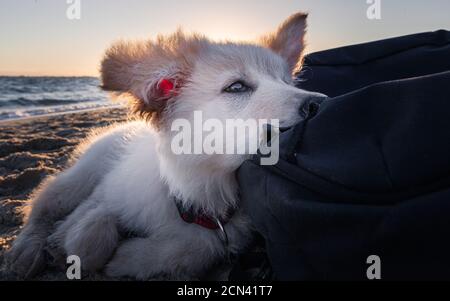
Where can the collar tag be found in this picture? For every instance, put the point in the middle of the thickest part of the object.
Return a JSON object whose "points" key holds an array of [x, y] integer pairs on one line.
{"points": [[222, 233]]}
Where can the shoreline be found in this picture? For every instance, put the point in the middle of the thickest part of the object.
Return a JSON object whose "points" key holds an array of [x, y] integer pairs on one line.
{"points": [[28, 118]]}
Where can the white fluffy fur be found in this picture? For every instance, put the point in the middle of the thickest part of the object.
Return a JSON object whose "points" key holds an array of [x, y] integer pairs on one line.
{"points": [[126, 176]]}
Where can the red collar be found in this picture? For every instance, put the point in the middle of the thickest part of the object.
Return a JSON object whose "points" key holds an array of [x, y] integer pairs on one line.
{"points": [[201, 218]]}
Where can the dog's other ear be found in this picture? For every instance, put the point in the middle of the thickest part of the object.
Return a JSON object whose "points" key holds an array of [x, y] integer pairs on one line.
{"points": [[151, 72], [288, 40], [117, 66]]}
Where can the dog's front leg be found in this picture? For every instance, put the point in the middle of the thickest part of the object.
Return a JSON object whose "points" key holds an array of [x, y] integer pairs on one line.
{"points": [[57, 198], [143, 258]]}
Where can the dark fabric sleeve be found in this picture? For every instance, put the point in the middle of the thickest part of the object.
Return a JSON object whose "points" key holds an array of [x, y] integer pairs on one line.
{"points": [[369, 174]]}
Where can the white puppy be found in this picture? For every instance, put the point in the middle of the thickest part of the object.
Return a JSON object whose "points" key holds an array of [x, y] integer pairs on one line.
{"points": [[126, 179]]}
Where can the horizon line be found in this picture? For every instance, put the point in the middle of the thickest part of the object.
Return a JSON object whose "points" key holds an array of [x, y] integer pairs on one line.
{"points": [[97, 76]]}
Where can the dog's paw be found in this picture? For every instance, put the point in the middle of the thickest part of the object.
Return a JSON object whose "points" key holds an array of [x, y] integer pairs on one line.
{"points": [[56, 254], [130, 261], [26, 258]]}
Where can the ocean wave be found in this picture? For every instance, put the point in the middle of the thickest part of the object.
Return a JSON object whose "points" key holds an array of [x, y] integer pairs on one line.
{"points": [[25, 102], [22, 97], [13, 114]]}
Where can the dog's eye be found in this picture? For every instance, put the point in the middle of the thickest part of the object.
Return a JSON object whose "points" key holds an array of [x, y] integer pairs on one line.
{"points": [[237, 87]]}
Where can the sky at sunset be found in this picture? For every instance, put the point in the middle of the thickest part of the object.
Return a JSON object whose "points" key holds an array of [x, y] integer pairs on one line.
{"points": [[37, 37]]}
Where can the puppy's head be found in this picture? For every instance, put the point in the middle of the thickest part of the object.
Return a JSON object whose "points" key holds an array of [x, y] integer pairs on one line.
{"points": [[176, 75]]}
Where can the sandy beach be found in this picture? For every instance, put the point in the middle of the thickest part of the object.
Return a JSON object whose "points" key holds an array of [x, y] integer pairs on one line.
{"points": [[30, 150]]}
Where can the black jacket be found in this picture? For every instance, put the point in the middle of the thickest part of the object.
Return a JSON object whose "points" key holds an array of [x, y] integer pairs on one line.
{"points": [[369, 174]]}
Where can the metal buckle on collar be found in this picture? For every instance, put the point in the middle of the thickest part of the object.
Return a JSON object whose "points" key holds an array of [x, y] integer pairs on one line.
{"points": [[223, 236], [189, 217]]}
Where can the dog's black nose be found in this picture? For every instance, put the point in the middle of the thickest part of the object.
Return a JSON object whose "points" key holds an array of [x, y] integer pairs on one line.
{"points": [[311, 105]]}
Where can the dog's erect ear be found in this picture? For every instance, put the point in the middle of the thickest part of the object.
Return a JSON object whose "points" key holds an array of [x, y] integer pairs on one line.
{"points": [[153, 73], [288, 40]]}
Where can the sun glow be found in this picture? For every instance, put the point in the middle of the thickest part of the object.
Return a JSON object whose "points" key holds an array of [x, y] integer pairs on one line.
{"points": [[39, 39]]}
